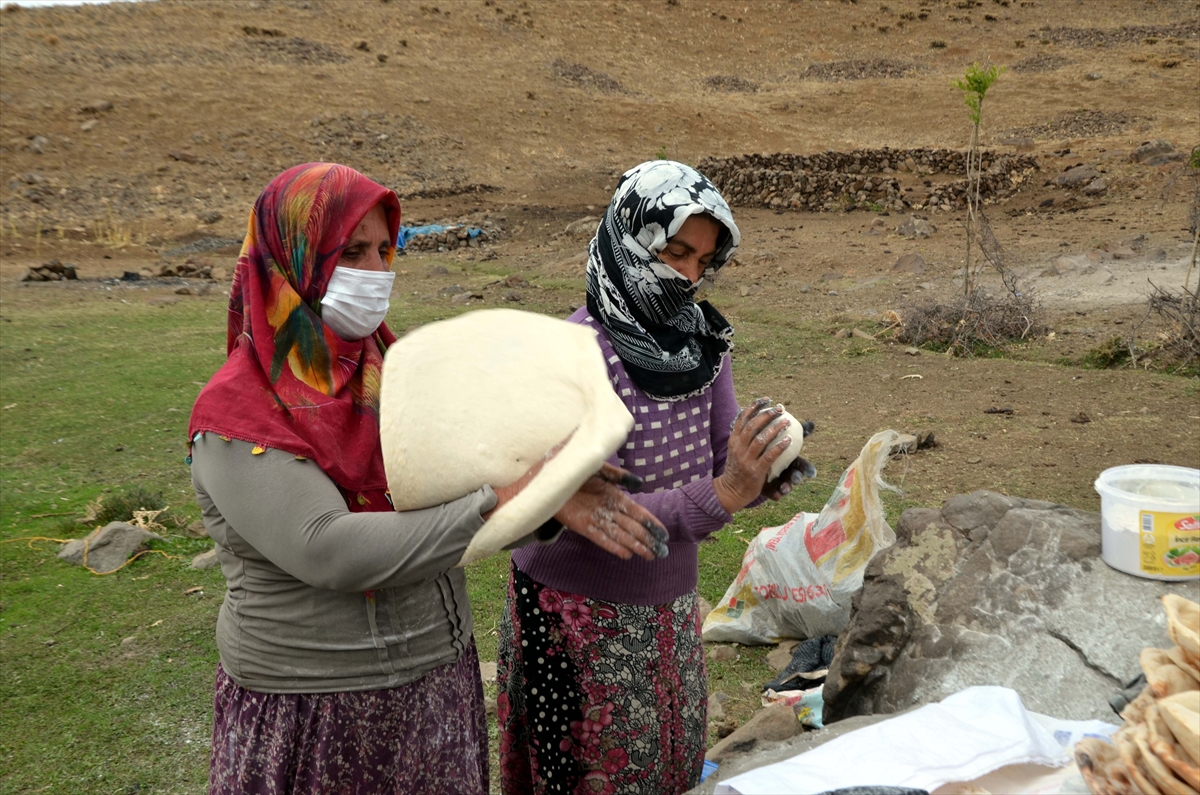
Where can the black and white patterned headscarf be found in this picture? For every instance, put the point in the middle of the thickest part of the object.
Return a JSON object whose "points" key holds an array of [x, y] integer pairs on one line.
{"points": [[672, 346]]}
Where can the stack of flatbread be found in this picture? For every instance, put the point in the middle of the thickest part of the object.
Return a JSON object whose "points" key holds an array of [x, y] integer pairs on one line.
{"points": [[1158, 748]]}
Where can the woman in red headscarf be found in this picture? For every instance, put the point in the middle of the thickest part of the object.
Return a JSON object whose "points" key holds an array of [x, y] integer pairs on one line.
{"points": [[347, 659]]}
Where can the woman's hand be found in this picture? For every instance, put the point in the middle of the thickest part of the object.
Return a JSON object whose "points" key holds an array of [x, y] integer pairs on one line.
{"points": [[757, 439], [604, 514]]}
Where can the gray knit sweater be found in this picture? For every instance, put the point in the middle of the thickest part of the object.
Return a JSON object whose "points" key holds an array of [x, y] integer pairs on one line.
{"points": [[298, 564]]}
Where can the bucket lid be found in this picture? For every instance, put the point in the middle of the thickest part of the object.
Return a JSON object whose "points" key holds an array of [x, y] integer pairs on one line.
{"points": [[1159, 483]]}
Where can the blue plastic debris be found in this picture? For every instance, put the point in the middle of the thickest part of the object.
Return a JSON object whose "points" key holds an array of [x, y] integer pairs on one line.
{"points": [[709, 769], [407, 233]]}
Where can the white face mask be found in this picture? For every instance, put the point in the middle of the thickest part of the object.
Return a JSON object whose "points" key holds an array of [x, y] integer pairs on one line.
{"points": [[356, 301]]}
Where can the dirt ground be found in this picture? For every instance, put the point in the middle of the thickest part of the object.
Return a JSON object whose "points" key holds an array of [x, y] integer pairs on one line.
{"points": [[138, 132]]}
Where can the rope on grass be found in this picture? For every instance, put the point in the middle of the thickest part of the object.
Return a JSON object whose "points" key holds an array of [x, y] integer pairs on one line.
{"points": [[86, 542]]}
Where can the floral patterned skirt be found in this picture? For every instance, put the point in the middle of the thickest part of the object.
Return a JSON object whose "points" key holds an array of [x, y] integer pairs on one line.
{"points": [[427, 736], [599, 697]]}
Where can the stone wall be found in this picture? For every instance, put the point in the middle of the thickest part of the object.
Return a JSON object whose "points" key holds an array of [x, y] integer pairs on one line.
{"points": [[863, 178]]}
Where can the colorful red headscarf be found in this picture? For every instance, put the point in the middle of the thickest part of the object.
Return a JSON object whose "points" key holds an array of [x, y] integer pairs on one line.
{"points": [[290, 383]]}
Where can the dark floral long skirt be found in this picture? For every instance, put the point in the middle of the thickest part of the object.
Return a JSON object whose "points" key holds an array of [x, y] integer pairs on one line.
{"points": [[599, 697], [427, 736]]}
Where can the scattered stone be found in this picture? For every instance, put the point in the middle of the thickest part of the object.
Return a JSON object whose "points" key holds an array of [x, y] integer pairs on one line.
{"points": [[722, 653], [858, 333], [183, 157], [832, 293], [38, 144], [438, 270], [184, 291], [912, 350], [974, 460], [704, 608], [52, 271], [749, 289], [731, 83], [515, 280], [909, 263], [97, 106], [926, 440], [196, 529], [487, 672], [1155, 153], [108, 548], [1077, 177], [211, 217], [994, 589], [779, 657], [913, 227], [771, 724], [219, 274], [512, 296], [132, 639], [1081, 418], [1093, 76], [716, 710], [465, 298], [89, 125], [206, 560], [452, 289], [584, 227], [1096, 186], [843, 333]]}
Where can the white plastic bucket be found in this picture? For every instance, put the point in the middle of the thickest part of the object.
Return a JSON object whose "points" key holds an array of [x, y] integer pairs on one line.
{"points": [[1150, 519]]}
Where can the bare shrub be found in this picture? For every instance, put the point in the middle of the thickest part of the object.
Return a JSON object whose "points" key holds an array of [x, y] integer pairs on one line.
{"points": [[1176, 345], [968, 325]]}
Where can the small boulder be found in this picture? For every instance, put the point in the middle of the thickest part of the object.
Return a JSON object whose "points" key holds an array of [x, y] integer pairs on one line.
{"points": [[219, 274], [704, 608], [97, 106], [211, 217], [206, 560], [1096, 186], [779, 657], [108, 548], [584, 227], [38, 144], [722, 654], [1077, 177], [465, 298], [913, 227], [89, 125], [487, 672], [772, 724], [1151, 150], [909, 263], [716, 712]]}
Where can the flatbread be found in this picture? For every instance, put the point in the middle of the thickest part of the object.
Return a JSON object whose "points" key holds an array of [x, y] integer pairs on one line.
{"points": [[1184, 721], [1183, 623], [1102, 769], [1164, 677], [479, 399], [1187, 664], [1164, 745], [1131, 757], [1163, 776], [1134, 710]]}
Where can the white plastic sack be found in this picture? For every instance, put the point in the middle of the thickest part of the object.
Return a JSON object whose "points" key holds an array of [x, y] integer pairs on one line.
{"points": [[797, 580]]}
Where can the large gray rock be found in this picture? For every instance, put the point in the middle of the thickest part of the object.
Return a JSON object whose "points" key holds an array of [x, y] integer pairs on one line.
{"points": [[995, 590], [108, 548]]}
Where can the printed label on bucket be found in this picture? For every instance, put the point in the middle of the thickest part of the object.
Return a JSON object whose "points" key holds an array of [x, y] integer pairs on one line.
{"points": [[1170, 544]]}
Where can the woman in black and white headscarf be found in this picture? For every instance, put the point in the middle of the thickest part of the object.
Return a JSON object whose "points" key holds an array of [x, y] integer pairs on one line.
{"points": [[602, 686]]}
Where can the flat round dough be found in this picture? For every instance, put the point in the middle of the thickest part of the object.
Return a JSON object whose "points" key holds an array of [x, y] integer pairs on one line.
{"points": [[479, 399]]}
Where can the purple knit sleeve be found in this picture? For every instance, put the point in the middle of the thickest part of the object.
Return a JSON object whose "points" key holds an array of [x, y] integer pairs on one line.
{"points": [[692, 512]]}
